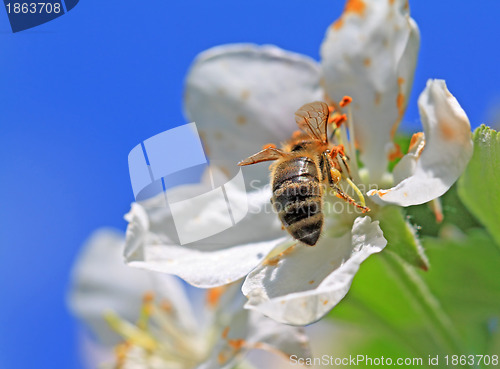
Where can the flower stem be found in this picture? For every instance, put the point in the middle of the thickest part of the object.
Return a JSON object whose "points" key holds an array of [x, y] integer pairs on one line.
{"points": [[424, 301]]}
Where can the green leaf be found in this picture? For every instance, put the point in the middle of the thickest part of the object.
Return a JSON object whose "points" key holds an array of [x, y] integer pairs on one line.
{"points": [[401, 237], [478, 187], [387, 312], [386, 321], [465, 274], [454, 212]]}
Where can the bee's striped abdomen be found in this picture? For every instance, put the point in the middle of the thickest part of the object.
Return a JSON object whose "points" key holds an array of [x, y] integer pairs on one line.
{"points": [[297, 198]]}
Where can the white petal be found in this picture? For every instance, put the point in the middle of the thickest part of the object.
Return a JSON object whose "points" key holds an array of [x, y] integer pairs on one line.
{"points": [[244, 96], [310, 281], [448, 149], [370, 54], [102, 282], [217, 260], [92, 353], [283, 339], [255, 331]]}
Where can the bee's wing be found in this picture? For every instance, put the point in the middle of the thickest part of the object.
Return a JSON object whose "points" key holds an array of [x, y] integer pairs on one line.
{"points": [[312, 118], [268, 154]]}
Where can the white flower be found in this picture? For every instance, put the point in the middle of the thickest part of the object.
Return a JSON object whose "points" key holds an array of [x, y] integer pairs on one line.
{"points": [[244, 96], [175, 327]]}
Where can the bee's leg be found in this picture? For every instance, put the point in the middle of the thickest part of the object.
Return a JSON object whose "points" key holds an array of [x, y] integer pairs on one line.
{"points": [[340, 151], [334, 176], [267, 154], [341, 195]]}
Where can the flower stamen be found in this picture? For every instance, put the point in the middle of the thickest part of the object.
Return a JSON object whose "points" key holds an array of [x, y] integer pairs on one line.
{"points": [[146, 310], [134, 335], [357, 191], [352, 138], [338, 119], [346, 100], [437, 209]]}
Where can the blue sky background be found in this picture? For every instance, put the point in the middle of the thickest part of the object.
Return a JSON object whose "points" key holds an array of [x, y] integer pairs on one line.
{"points": [[78, 93]]}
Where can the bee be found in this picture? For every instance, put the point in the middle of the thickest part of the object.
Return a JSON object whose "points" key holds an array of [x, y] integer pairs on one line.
{"points": [[304, 163]]}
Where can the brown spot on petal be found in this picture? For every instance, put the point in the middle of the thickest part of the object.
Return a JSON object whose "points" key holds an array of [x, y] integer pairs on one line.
{"points": [[378, 98], [367, 62], [395, 153], [276, 259], [311, 282], [357, 146], [446, 130], [381, 193], [394, 127], [203, 137], [338, 24], [241, 120], [221, 358], [322, 83], [414, 139], [224, 170], [400, 101], [245, 94], [325, 302], [355, 6], [225, 332], [272, 261], [400, 104], [166, 306], [258, 345], [236, 344], [213, 295], [417, 144]]}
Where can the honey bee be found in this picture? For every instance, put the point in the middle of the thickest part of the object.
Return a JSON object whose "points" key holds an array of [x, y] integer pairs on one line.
{"points": [[304, 163]]}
